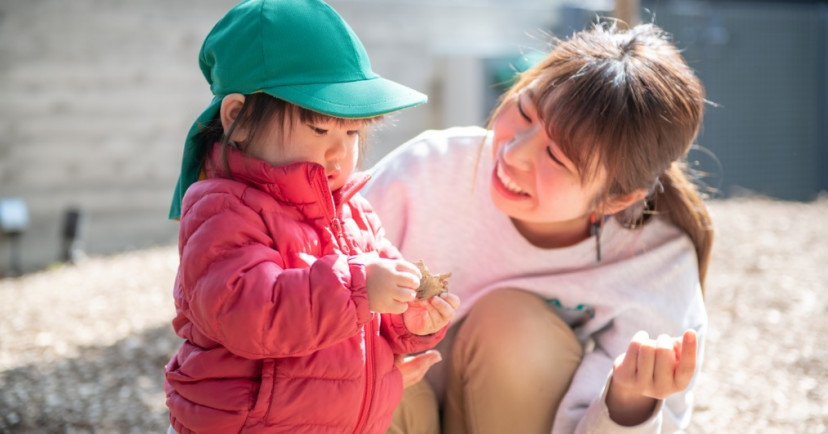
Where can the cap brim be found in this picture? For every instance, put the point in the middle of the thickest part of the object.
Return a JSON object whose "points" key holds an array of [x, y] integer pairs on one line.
{"points": [[353, 99]]}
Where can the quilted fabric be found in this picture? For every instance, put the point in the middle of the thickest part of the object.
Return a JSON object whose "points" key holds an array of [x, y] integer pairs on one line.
{"points": [[271, 301]]}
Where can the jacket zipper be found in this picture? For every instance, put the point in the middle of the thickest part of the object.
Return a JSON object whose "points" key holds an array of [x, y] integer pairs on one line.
{"points": [[336, 224], [369, 377]]}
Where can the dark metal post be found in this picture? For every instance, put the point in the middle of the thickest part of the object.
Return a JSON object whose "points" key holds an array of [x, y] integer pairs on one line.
{"points": [[71, 249]]}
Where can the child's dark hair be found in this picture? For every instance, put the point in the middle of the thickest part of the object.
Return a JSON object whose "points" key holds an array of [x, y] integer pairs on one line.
{"points": [[258, 111], [626, 101]]}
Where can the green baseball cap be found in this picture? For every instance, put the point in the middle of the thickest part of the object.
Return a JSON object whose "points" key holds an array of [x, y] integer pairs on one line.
{"points": [[300, 51]]}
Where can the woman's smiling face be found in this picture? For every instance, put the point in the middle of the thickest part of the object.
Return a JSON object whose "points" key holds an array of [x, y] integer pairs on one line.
{"points": [[532, 181]]}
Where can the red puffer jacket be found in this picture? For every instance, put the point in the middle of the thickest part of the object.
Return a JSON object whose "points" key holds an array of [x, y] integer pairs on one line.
{"points": [[270, 299]]}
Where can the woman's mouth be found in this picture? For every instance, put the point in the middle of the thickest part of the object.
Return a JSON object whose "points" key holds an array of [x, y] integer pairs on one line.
{"points": [[507, 183]]}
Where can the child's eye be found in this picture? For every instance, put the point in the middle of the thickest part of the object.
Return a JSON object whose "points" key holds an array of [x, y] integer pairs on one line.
{"points": [[318, 131], [553, 157], [353, 132]]}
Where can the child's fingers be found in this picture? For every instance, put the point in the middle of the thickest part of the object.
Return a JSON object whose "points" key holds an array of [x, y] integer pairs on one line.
{"points": [[404, 266], [404, 295], [686, 367], [443, 308], [395, 306], [451, 299], [407, 279]]}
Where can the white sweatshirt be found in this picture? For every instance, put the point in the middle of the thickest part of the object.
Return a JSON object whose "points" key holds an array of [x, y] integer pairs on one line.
{"points": [[432, 195]]}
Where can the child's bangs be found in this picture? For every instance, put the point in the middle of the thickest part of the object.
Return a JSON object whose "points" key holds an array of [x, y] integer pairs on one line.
{"points": [[312, 117]]}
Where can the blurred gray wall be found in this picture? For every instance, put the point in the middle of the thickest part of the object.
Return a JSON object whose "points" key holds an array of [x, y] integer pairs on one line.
{"points": [[97, 97], [765, 66]]}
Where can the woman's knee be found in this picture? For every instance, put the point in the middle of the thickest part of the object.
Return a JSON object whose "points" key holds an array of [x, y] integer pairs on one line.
{"points": [[418, 412], [510, 325]]}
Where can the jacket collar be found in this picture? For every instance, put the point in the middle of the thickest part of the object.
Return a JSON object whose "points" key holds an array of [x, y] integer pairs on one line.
{"points": [[302, 183]]}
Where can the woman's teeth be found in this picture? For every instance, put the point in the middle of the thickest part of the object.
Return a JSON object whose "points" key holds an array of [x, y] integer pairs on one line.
{"points": [[507, 182]]}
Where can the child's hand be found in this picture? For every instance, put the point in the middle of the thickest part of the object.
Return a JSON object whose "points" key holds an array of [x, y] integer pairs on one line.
{"points": [[651, 369], [391, 284], [428, 316]]}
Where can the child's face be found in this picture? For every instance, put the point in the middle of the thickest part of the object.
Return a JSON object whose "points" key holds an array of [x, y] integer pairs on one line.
{"points": [[532, 181], [331, 143]]}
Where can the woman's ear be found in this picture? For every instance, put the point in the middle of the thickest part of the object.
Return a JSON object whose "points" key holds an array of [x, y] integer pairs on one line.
{"points": [[620, 203], [231, 106]]}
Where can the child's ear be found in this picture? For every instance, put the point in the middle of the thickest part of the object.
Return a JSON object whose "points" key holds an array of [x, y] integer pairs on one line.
{"points": [[231, 106], [620, 203]]}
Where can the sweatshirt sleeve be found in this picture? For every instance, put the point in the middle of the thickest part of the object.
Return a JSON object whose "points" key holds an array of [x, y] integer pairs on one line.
{"points": [[234, 287], [668, 301]]}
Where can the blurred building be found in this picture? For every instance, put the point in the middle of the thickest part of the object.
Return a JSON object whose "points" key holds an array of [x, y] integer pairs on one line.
{"points": [[98, 96], [765, 67]]}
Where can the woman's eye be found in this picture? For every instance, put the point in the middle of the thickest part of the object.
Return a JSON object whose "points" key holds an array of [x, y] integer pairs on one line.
{"points": [[552, 156], [523, 112]]}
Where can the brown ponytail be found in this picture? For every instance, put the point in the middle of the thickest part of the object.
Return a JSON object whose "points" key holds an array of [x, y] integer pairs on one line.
{"points": [[681, 203]]}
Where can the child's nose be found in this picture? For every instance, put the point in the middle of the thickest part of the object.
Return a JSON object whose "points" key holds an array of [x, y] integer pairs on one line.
{"points": [[336, 150]]}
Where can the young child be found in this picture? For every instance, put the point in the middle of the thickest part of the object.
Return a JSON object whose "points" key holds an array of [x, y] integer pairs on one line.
{"points": [[291, 302]]}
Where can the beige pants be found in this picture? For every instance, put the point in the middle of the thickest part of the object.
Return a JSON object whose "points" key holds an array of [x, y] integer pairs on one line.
{"points": [[505, 369]]}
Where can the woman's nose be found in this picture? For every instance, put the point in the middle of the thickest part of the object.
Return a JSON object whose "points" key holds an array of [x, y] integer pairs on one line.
{"points": [[519, 152]]}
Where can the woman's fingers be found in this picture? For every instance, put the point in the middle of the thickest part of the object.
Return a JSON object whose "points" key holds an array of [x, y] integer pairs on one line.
{"points": [[686, 367], [659, 367], [664, 367], [626, 365], [414, 368]]}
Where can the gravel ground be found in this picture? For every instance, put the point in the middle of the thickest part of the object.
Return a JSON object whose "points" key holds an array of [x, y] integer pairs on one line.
{"points": [[82, 347]]}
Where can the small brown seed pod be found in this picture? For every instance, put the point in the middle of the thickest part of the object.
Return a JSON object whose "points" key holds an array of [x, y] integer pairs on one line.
{"points": [[431, 284]]}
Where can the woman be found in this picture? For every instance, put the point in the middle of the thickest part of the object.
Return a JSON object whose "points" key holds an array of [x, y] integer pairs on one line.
{"points": [[574, 239]]}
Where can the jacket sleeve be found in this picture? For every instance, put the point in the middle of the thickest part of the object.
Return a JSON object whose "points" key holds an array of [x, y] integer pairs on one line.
{"points": [[237, 292], [404, 342]]}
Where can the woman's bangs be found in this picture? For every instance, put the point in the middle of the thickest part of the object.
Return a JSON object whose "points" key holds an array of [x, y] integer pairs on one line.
{"points": [[572, 125]]}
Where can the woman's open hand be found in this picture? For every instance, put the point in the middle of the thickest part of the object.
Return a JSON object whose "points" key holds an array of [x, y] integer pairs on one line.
{"points": [[650, 370]]}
